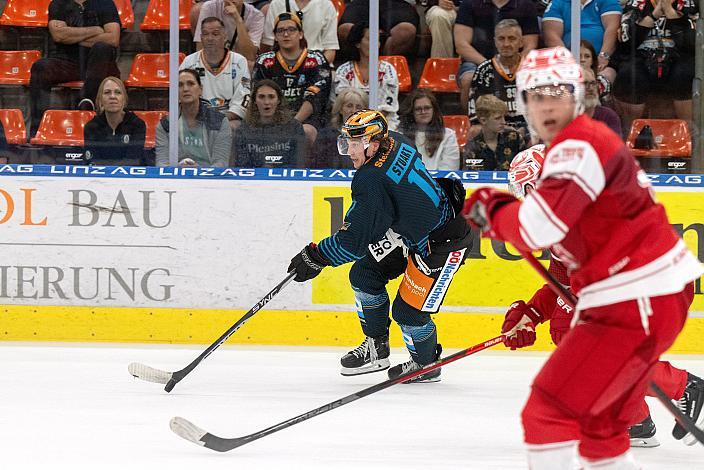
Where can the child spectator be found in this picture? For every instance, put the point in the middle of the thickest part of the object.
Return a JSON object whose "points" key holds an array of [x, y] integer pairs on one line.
{"points": [[422, 122], [114, 134], [496, 145]]}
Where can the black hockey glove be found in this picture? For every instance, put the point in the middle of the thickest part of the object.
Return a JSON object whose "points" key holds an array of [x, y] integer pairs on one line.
{"points": [[308, 263]]}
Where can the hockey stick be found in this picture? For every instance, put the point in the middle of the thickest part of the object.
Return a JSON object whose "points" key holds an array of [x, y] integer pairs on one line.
{"points": [[151, 374], [193, 433], [569, 297]]}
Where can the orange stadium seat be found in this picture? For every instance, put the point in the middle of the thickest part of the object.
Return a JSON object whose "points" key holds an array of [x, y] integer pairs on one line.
{"points": [[404, 73], [124, 9], [440, 75], [151, 119], [26, 13], [157, 16], [671, 136], [16, 65], [13, 122], [340, 7], [151, 70], [35, 13], [460, 124], [62, 128]]}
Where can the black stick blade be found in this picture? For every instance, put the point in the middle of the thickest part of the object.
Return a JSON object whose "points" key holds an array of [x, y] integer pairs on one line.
{"points": [[190, 432]]}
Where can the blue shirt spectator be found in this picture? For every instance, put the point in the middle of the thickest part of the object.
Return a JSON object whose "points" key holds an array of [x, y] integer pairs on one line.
{"points": [[599, 23]]}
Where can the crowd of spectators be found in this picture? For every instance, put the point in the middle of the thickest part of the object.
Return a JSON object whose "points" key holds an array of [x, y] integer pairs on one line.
{"points": [[271, 82]]}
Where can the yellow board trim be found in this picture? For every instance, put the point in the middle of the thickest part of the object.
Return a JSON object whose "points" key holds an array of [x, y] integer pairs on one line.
{"points": [[269, 327]]}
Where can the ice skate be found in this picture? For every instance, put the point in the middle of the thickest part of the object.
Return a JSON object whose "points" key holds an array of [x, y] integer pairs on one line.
{"points": [[404, 368], [370, 356], [643, 434], [691, 405]]}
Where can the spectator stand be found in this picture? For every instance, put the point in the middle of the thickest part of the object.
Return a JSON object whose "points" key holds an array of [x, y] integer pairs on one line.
{"points": [[59, 138], [156, 22], [26, 21], [440, 76], [148, 81], [14, 78], [667, 148], [15, 133]]}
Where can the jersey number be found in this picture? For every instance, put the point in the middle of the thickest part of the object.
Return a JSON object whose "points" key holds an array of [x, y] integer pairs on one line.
{"points": [[419, 176]]}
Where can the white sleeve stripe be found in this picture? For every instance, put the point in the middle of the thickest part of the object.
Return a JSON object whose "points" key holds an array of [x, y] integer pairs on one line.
{"points": [[579, 181], [549, 214], [537, 228], [527, 238]]}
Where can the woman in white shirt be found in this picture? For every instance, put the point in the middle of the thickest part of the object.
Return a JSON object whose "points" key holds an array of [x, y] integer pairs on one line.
{"points": [[355, 74], [421, 121]]}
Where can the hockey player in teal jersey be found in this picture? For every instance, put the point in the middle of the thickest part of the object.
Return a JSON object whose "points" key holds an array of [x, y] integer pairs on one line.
{"points": [[402, 221]]}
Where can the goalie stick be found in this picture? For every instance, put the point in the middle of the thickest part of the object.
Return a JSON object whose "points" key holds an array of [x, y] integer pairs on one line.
{"points": [[189, 431], [151, 374], [569, 297]]}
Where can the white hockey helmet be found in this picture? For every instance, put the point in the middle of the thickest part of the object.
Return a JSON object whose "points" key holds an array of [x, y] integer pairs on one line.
{"points": [[553, 66], [525, 169]]}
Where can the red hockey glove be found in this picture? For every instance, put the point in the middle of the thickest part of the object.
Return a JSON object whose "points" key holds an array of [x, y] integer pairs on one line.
{"points": [[481, 206], [560, 321], [519, 325]]}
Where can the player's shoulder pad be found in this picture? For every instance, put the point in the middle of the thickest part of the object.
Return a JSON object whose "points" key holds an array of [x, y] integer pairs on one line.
{"points": [[577, 160]]}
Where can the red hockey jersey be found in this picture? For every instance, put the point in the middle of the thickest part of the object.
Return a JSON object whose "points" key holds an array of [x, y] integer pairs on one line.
{"points": [[595, 209]]}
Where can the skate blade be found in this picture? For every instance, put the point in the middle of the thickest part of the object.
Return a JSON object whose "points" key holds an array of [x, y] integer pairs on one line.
{"points": [[377, 366], [689, 439], [423, 381], [645, 442]]}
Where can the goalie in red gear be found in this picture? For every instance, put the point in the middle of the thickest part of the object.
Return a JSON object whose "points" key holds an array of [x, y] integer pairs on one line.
{"points": [[546, 306], [593, 207]]}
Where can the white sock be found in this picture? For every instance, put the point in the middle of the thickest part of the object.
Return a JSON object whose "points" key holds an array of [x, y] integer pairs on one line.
{"points": [[553, 456], [624, 461]]}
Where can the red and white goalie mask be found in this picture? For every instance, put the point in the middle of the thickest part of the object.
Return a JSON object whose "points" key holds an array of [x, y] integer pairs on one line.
{"points": [[550, 71], [524, 170]]}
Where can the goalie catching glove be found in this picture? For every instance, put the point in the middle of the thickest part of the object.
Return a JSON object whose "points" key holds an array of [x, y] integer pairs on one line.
{"points": [[519, 325], [308, 263]]}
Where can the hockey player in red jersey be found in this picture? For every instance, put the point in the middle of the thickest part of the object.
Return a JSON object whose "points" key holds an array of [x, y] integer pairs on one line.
{"points": [[594, 209], [686, 389]]}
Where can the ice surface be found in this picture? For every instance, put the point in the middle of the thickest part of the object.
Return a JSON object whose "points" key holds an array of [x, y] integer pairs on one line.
{"points": [[77, 407]]}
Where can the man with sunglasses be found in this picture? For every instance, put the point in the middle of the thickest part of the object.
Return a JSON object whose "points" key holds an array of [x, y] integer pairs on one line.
{"points": [[402, 221]]}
